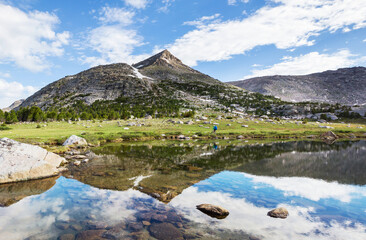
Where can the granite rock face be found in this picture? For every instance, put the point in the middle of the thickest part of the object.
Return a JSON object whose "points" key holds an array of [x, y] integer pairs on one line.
{"points": [[106, 82], [21, 162], [345, 86]]}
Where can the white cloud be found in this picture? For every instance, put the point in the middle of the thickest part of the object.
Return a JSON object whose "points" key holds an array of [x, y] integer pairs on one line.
{"points": [[364, 40], [38, 213], [116, 15], [309, 63], [114, 44], [233, 2], [28, 38], [5, 75], [312, 189], [287, 24], [256, 65], [166, 5], [203, 20], [13, 91], [114, 41], [137, 3], [252, 219]]}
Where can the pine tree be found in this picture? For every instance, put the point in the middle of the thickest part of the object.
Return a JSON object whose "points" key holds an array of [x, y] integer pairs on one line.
{"points": [[11, 117]]}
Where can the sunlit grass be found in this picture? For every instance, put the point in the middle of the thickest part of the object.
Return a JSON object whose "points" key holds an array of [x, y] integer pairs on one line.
{"points": [[95, 131]]}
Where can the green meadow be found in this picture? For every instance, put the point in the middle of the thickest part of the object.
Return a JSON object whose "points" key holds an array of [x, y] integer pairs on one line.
{"points": [[54, 133]]}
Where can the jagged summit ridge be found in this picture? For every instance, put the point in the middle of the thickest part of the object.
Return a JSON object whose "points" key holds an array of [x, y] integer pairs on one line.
{"points": [[164, 59]]}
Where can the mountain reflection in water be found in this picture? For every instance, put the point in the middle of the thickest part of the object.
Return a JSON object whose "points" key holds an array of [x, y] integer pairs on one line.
{"points": [[150, 191]]}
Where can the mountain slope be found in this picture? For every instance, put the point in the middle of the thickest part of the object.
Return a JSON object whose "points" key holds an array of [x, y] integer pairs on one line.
{"points": [[160, 85], [13, 105], [106, 82], [160, 77], [345, 86]]}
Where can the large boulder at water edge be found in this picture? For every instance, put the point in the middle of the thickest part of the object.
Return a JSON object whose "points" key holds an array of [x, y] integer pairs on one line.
{"points": [[20, 162], [75, 140]]}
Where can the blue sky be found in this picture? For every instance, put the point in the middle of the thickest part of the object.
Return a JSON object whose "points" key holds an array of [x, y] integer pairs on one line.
{"points": [[42, 40]]}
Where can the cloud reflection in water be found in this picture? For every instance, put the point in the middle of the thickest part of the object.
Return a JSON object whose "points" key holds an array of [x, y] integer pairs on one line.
{"points": [[318, 209]]}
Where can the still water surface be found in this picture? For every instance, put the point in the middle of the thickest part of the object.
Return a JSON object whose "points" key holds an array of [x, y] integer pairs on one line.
{"points": [[150, 190]]}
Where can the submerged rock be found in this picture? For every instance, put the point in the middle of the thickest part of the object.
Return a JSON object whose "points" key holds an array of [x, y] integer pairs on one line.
{"points": [[278, 213], [20, 162], [213, 211], [75, 140], [62, 225], [68, 236], [90, 235], [165, 231], [116, 232]]}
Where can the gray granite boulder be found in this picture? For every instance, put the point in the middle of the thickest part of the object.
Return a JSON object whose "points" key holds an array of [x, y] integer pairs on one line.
{"points": [[75, 140], [21, 162]]}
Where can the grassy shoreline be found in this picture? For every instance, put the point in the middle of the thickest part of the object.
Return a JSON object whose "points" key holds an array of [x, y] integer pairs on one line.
{"points": [[96, 132]]}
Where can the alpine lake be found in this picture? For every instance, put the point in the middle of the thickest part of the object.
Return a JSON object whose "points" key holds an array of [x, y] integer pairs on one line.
{"points": [[150, 190]]}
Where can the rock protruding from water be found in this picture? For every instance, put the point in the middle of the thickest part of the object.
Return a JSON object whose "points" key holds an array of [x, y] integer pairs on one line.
{"points": [[21, 162], [75, 140], [213, 211], [329, 136], [278, 213]]}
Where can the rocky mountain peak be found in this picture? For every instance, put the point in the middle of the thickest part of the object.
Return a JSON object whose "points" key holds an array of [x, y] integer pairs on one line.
{"points": [[164, 59]]}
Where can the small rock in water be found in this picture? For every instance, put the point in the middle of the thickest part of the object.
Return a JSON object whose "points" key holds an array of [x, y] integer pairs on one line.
{"points": [[329, 136], [135, 226], [146, 223], [76, 227], [62, 226], [158, 217], [77, 163], [90, 235], [98, 225], [213, 211], [67, 237], [165, 231], [116, 232], [79, 157], [278, 213]]}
